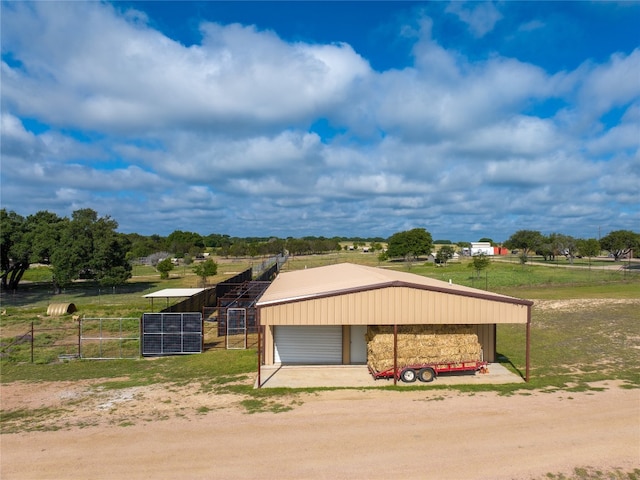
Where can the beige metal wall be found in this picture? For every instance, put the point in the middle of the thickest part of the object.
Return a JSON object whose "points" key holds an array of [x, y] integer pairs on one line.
{"points": [[346, 345], [487, 338], [393, 305], [269, 354]]}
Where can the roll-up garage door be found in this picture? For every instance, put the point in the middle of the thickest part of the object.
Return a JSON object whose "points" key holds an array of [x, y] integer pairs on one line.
{"points": [[308, 344]]}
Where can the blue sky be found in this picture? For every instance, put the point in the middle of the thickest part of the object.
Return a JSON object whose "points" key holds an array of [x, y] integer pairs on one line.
{"points": [[325, 118]]}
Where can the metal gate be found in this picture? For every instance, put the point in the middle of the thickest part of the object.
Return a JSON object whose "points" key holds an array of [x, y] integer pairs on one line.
{"points": [[236, 328], [172, 333], [109, 338]]}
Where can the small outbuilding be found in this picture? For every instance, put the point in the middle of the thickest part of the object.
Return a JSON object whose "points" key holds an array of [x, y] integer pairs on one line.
{"points": [[481, 248], [320, 316]]}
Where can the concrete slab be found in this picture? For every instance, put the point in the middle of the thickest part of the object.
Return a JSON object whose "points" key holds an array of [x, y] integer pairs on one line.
{"points": [[354, 376]]}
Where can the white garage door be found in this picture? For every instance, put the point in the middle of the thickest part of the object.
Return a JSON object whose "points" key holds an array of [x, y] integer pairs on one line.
{"points": [[308, 345]]}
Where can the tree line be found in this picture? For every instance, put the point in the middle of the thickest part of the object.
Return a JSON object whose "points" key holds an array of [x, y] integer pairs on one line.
{"points": [[189, 244], [619, 243], [88, 246]]}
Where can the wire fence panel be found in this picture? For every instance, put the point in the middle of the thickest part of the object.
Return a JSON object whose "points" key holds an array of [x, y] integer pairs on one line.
{"points": [[43, 344], [109, 338], [236, 328]]}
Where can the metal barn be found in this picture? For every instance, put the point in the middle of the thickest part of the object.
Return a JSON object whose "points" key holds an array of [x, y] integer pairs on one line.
{"points": [[319, 315]]}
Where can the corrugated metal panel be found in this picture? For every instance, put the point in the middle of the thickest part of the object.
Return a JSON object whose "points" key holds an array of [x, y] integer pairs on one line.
{"points": [[308, 345], [393, 305], [358, 344]]}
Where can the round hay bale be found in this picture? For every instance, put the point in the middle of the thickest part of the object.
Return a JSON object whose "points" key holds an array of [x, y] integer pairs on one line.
{"points": [[57, 309]]}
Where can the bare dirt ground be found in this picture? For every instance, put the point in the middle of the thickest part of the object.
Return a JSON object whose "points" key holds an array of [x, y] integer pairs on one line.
{"points": [[165, 431]]}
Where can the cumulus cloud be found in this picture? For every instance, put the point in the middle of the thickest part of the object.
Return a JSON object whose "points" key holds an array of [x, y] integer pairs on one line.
{"points": [[516, 136], [612, 84], [422, 102], [221, 134], [106, 72]]}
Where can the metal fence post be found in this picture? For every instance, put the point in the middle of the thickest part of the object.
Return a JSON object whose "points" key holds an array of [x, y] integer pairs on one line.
{"points": [[79, 338], [32, 340]]}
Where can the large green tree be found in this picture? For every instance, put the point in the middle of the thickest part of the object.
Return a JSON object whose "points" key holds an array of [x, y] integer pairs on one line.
{"points": [[557, 244], [546, 249], [25, 241], [565, 245], [413, 242], [109, 263], [620, 243], [42, 235], [526, 240], [90, 245], [85, 244]]}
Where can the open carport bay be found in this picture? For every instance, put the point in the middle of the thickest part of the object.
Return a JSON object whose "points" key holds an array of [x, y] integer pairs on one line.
{"points": [[340, 376]]}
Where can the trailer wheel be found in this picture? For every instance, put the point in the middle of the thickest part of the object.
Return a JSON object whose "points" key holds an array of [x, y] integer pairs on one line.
{"points": [[408, 375], [426, 375]]}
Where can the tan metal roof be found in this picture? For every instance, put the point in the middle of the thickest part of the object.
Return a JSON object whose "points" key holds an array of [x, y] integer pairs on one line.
{"points": [[344, 278]]}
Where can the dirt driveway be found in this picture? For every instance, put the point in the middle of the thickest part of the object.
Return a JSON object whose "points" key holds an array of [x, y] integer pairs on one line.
{"points": [[166, 433]]}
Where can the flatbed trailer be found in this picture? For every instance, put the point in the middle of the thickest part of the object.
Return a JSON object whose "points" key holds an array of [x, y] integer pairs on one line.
{"points": [[427, 372]]}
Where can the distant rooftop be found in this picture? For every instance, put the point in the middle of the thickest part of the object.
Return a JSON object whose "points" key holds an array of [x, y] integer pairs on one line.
{"points": [[174, 293]]}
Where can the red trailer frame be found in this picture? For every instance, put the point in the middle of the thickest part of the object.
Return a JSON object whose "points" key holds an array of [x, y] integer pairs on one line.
{"points": [[427, 372]]}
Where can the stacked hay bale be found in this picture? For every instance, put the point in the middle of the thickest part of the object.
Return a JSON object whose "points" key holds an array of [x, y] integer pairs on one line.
{"points": [[418, 344]]}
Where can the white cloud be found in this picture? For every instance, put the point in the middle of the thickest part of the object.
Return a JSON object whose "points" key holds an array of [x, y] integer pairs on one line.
{"points": [[422, 103], [13, 130], [553, 170], [480, 16], [108, 73], [517, 136], [201, 158], [612, 84], [216, 136], [616, 139], [594, 90]]}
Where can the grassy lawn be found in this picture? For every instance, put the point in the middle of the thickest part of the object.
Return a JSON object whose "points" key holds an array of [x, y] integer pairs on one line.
{"points": [[573, 346], [215, 366], [505, 275]]}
